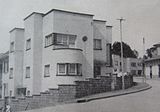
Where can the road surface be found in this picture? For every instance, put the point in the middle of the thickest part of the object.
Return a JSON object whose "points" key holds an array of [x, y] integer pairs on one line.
{"points": [[145, 101]]}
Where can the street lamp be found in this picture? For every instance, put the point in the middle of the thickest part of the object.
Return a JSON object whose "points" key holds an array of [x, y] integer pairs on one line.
{"points": [[121, 19]]}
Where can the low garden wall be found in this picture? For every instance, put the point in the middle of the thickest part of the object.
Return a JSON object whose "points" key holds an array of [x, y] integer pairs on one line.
{"points": [[68, 92]]}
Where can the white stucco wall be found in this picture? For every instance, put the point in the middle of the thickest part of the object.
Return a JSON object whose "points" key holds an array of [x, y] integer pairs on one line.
{"points": [[28, 55], [100, 31], [67, 23], [33, 57], [16, 60]]}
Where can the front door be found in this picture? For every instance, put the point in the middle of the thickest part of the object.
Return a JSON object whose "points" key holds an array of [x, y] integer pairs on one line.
{"points": [[97, 71]]}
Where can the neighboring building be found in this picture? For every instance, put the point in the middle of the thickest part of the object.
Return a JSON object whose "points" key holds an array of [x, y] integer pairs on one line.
{"points": [[4, 74], [152, 65], [132, 66], [59, 47]]}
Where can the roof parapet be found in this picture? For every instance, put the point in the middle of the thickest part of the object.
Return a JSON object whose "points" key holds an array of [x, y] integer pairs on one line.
{"points": [[16, 29]]}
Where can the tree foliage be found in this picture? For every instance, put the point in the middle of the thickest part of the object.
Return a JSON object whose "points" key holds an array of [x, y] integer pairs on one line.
{"points": [[149, 54], [127, 51]]}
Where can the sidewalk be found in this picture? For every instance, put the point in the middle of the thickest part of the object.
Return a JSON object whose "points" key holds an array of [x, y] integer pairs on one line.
{"points": [[139, 87]]}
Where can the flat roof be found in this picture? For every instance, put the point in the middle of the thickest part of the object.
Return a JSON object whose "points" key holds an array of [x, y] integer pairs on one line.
{"points": [[32, 14], [154, 58], [109, 26], [68, 12], [158, 44], [3, 55], [16, 29], [99, 20]]}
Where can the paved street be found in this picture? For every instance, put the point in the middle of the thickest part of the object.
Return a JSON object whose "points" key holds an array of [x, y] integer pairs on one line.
{"points": [[145, 101]]}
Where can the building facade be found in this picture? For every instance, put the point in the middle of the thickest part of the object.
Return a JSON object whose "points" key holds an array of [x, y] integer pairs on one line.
{"points": [[152, 64], [59, 47], [132, 66]]}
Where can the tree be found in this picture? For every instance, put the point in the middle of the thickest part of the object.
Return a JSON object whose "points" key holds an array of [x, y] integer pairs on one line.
{"points": [[149, 54], [127, 51]]}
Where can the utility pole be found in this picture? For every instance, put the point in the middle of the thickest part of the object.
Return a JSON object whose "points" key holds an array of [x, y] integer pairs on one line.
{"points": [[143, 62], [120, 20]]}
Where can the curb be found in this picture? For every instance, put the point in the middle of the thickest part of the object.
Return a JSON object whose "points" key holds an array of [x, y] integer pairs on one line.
{"points": [[114, 95]]}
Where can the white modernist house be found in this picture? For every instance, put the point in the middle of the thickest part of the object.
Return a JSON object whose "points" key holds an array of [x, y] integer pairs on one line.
{"points": [[152, 65], [132, 66], [58, 47]]}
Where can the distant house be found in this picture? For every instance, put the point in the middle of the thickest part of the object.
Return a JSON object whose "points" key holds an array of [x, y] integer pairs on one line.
{"points": [[58, 47], [132, 66], [4, 71], [152, 65]]}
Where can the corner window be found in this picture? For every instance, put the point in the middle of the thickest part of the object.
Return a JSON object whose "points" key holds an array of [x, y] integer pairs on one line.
{"points": [[46, 70], [28, 44], [11, 73], [69, 69], [49, 40], [97, 44], [64, 39], [12, 47], [27, 72]]}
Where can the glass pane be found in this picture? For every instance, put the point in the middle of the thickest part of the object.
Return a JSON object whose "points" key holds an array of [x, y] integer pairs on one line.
{"points": [[28, 72], [47, 70], [79, 69], [59, 39], [98, 44], [61, 68], [72, 68], [72, 39], [65, 40]]}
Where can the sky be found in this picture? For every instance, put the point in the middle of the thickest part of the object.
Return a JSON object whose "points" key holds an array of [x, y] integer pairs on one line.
{"points": [[142, 17]]}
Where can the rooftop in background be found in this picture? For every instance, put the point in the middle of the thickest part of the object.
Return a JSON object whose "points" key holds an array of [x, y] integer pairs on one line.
{"points": [[4, 55], [157, 45]]}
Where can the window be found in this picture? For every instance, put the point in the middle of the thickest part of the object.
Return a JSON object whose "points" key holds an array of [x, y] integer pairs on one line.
{"points": [[11, 73], [133, 64], [12, 47], [69, 69], [49, 40], [28, 44], [61, 68], [46, 70], [64, 39], [27, 72], [5, 67], [72, 68], [97, 44], [108, 55]]}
